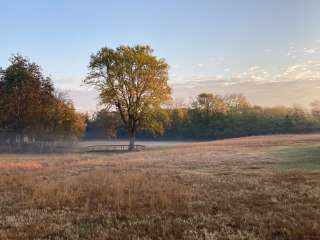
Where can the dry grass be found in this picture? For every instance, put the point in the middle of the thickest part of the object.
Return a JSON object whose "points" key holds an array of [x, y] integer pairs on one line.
{"points": [[228, 189]]}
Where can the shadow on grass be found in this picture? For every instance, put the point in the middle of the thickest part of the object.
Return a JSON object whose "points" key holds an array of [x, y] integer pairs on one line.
{"points": [[304, 156]]}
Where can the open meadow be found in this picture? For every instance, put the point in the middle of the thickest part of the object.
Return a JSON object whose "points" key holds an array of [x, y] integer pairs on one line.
{"points": [[264, 187]]}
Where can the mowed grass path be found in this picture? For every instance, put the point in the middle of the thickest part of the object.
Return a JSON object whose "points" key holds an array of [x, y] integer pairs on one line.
{"points": [[230, 189], [299, 157]]}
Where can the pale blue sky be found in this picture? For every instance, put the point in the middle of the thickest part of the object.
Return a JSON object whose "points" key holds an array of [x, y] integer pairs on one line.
{"points": [[205, 39]]}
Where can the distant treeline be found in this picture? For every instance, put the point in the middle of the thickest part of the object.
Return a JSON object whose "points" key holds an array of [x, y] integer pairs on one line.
{"points": [[31, 109], [214, 117]]}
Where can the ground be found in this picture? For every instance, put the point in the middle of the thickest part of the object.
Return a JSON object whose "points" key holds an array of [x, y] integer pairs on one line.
{"points": [[247, 188]]}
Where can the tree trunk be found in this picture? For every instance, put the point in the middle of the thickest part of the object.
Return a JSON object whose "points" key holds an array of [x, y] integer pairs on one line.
{"points": [[131, 132], [131, 141]]}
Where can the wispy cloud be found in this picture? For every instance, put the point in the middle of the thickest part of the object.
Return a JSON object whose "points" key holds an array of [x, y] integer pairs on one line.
{"points": [[199, 65], [292, 51], [253, 74], [295, 52], [309, 70], [301, 92], [309, 51]]}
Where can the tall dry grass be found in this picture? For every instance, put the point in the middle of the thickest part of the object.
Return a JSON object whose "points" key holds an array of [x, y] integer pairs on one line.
{"points": [[223, 190], [124, 192]]}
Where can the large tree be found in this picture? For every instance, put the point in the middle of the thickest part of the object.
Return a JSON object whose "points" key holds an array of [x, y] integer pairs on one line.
{"points": [[134, 82], [22, 92], [29, 105]]}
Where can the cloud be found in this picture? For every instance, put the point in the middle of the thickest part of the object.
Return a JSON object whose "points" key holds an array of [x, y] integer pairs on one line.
{"points": [[199, 65], [292, 51], [301, 92], [309, 70], [198, 79], [309, 51], [253, 74], [297, 83]]}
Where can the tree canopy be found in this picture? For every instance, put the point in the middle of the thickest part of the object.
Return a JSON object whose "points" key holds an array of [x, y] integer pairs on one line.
{"points": [[134, 82], [29, 104]]}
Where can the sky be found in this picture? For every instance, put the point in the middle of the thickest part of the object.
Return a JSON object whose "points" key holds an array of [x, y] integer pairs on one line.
{"points": [[269, 50]]}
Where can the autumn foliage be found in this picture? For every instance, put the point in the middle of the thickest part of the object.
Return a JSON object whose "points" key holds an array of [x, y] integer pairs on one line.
{"points": [[31, 108]]}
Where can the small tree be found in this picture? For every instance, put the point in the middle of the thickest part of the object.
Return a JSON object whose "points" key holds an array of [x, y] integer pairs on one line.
{"points": [[209, 103], [132, 81], [315, 109]]}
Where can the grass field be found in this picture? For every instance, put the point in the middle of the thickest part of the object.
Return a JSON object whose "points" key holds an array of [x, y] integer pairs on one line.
{"points": [[248, 188], [302, 156]]}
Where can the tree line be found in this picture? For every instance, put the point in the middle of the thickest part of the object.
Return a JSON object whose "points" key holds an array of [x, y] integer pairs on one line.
{"points": [[31, 109], [136, 100], [211, 117]]}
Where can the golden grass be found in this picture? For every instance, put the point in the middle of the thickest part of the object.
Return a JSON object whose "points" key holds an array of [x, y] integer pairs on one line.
{"points": [[226, 189], [20, 165]]}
